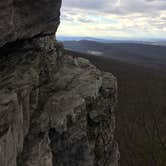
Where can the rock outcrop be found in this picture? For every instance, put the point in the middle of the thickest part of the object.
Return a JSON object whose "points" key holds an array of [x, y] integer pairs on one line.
{"points": [[55, 110], [20, 19]]}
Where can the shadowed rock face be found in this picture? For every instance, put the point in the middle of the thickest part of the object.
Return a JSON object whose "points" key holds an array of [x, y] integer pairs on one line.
{"points": [[55, 110], [20, 19]]}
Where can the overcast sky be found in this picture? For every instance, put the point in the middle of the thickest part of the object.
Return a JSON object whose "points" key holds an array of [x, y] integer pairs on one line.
{"points": [[113, 18]]}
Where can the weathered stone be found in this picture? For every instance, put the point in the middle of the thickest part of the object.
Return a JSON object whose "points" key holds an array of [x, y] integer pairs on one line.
{"points": [[21, 19], [40, 154], [55, 110], [15, 119]]}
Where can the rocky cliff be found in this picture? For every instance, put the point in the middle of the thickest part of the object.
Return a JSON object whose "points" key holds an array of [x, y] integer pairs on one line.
{"points": [[55, 110]]}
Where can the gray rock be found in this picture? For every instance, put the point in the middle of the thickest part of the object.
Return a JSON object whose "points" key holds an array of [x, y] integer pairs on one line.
{"points": [[55, 110], [21, 19]]}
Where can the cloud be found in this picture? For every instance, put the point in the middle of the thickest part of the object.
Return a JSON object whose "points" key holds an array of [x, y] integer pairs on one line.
{"points": [[130, 18], [117, 6]]}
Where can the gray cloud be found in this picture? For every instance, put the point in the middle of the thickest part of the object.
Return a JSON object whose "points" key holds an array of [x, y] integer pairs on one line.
{"points": [[120, 17], [117, 6]]}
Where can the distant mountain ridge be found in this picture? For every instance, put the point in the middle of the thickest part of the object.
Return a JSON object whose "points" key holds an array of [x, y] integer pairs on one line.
{"points": [[161, 42]]}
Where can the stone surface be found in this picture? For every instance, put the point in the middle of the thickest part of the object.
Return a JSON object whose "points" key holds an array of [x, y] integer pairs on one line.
{"points": [[55, 110], [20, 19]]}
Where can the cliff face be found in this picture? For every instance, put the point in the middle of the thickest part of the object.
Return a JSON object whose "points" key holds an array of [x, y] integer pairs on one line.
{"points": [[55, 110]]}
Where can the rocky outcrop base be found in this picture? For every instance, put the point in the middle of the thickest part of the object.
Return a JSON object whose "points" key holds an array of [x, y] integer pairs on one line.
{"points": [[55, 110]]}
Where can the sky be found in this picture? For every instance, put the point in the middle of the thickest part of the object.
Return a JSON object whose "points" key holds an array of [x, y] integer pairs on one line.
{"points": [[113, 18]]}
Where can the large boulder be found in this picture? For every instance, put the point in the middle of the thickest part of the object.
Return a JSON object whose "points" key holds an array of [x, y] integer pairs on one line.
{"points": [[20, 19]]}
